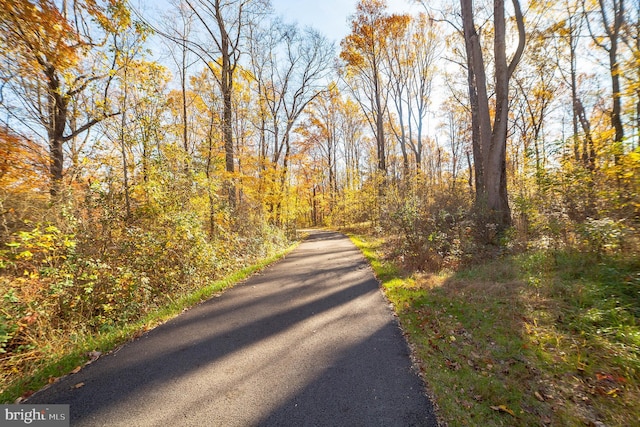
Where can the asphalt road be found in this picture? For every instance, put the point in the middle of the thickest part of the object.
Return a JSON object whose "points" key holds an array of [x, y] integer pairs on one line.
{"points": [[310, 341]]}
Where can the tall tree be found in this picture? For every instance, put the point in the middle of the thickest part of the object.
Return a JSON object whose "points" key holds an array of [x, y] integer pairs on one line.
{"points": [[632, 41], [56, 54], [362, 51], [399, 64], [612, 15], [568, 34], [537, 86], [179, 25], [296, 64], [224, 23], [423, 45], [490, 139], [321, 131]]}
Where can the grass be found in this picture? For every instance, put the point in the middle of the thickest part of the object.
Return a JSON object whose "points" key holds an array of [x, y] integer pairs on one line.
{"points": [[543, 338], [72, 353]]}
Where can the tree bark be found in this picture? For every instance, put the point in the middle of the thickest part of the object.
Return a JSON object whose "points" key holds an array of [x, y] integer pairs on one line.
{"points": [[489, 140]]}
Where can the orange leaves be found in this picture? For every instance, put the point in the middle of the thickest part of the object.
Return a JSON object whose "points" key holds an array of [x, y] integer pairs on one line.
{"points": [[367, 33], [396, 25], [47, 37], [608, 384], [20, 161], [40, 33]]}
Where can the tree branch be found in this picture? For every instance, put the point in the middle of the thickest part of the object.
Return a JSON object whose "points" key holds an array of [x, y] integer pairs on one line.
{"points": [[88, 125], [521, 39]]}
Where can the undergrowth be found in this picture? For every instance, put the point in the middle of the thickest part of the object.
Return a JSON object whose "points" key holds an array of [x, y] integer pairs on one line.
{"points": [[82, 275], [546, 337], [67, 353]]}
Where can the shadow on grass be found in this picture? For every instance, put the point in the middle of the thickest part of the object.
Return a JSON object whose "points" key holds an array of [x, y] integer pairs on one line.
{"points": [[536, 339]]}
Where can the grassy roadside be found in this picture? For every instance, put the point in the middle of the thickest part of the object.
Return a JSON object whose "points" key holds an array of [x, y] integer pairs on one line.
{"points": [[82, 349], [543, 338]]}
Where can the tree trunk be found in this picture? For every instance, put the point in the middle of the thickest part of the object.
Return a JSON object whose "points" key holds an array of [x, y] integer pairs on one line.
{"points": [[185, 119], [227, 117], [489, 140], [57, 111], [380, 140]]}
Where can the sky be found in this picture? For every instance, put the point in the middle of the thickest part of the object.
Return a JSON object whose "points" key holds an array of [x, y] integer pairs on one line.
{"points": [[331, 17]]}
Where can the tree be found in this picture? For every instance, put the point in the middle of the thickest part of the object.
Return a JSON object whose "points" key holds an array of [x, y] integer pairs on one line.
{"points": [[569, 32], [456, 126], [612, 15], [362, 52], [321, 133], [423, 44], [537, 86], [632, 75], [180, 26], [225, 22], [52, 59], [290, 66], [139, 133], [490, 139], [399, 61]]}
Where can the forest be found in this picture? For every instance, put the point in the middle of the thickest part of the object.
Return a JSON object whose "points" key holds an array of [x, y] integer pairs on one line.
{"points": [[485, 150]]}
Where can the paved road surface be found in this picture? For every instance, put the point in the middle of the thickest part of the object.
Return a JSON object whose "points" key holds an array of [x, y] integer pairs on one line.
{"points": [[310, 341]]}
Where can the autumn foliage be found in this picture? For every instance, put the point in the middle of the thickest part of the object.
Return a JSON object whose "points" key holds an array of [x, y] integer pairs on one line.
{"points": [[127, 182]]}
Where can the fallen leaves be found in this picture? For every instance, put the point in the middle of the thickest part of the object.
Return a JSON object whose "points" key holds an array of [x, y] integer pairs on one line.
{"points": [[452, 364], [92, 355], [504, 409], [608, 384]]}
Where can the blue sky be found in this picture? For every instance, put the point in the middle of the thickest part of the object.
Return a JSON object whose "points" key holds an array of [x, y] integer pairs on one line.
{"points": [[330, 17]]}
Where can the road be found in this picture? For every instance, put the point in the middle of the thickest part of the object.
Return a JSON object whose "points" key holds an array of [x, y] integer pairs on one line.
{"points": [[309, 341]]}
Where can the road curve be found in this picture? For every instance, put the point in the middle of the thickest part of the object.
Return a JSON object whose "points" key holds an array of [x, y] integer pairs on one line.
{"points": [[310, 341]]}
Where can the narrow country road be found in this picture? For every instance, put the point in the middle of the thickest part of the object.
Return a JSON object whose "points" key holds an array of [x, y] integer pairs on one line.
{"points": [[310, 341]]}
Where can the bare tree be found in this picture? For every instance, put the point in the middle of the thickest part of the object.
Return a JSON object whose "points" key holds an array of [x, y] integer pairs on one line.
{"points": [[292, 75], [424, 44], [537, 88], [570, 29], [180, 26]]}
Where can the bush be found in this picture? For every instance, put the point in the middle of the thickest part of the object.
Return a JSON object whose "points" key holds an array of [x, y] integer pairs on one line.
{"points": [[80, 265], [601, 235], [433, 232]]}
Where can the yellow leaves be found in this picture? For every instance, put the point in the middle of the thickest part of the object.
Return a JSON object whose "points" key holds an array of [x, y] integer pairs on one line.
{"points": [[25, 255], [504, 409], [44, 245], [40, 33], [112, 17], [634, 158]]}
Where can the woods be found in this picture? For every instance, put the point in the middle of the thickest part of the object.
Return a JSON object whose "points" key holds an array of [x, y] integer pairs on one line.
{"points": [[146, 154]]}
